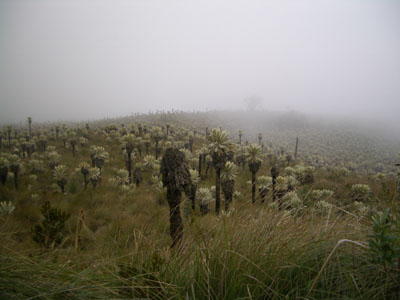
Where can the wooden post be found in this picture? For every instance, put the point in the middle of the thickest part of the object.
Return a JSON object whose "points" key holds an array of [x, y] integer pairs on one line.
{"points": [[79, 225], [398, 187]]}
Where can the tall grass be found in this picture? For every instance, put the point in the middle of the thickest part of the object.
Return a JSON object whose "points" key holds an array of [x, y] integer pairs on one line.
{"points": [[253, 253]]}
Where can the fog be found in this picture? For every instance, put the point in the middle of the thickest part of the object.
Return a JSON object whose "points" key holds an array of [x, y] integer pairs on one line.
{"points": [[80, 60]]}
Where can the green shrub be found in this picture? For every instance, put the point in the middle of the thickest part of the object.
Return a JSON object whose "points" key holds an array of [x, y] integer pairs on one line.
{"points": [[50, 232], [385, 238]]}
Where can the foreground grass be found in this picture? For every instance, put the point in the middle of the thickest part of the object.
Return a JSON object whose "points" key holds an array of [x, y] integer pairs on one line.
{"points": [[253, 253]]}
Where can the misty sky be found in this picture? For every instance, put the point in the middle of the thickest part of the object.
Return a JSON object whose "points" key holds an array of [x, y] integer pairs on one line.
{"points": [[92, 59]]}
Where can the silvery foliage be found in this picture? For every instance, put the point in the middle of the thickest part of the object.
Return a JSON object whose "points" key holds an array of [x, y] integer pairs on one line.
{"points": [[6, 208]]}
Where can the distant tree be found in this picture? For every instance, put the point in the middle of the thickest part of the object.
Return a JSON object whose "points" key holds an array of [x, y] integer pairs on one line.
{"points": [[253, 103]]}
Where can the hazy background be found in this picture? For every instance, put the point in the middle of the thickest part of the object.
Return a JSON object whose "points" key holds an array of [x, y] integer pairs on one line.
{"points": [[74, 60]]}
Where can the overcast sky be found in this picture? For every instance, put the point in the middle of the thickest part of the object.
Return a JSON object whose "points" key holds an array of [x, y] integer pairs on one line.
{"points": [[92, 59]]}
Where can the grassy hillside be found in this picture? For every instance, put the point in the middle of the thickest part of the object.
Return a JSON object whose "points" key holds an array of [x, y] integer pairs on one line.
{"points": [[116, 242]]}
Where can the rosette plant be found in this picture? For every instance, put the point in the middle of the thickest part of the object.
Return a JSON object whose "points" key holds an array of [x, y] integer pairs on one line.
{"points": [[54, 159], [202, 152], [219, 149], [128, 144], [253, 158], [194, 176], [204, 197], [3, 170], [264, 186], [157, 136], [191, 141], [72, 141], [139, 145], [99, 156], [30, 127], [147, 143], [84, 169], [14, 166], [228, 175], [176, 178], [42, 142], [94, 176], [60, 175]]}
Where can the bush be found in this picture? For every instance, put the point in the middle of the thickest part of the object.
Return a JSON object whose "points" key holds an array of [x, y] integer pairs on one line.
{"points": [[384, 241], [50, 232], [360, 192]]}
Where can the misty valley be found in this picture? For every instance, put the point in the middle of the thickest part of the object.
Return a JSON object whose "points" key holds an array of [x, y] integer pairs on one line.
{"points": [[187, 150]]}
